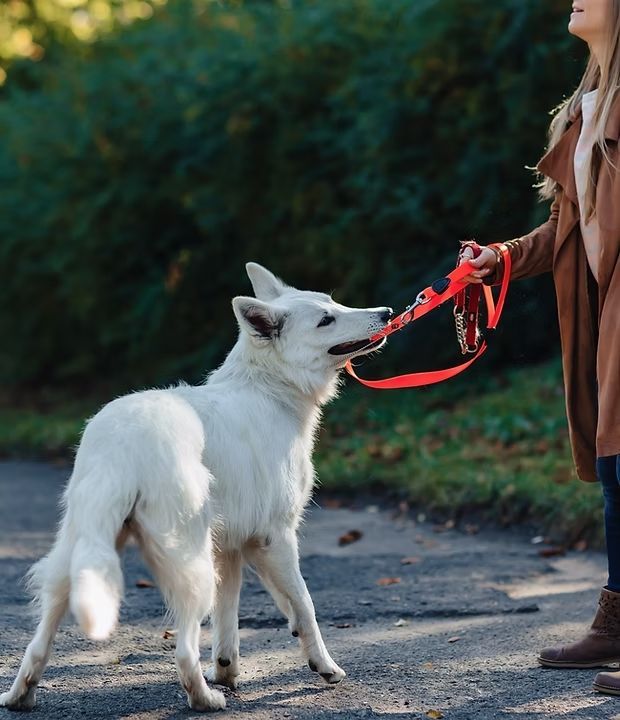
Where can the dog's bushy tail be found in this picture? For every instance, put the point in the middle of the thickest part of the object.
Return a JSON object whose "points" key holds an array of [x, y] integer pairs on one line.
{"points": [[92, 523], [96, 587]]}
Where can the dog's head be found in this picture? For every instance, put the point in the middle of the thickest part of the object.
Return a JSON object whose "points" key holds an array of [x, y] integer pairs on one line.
{"points": [[306, 336]]}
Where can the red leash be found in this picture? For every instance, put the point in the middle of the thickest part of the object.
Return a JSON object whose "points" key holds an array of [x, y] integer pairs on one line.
{"points": [[467, 302]]}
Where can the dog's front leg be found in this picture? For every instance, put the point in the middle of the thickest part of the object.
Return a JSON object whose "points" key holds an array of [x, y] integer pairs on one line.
{"points": [[225, 620], [278, 566]]}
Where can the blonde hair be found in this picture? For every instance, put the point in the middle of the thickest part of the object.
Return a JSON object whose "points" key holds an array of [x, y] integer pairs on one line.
{"points": [[606, 77]]}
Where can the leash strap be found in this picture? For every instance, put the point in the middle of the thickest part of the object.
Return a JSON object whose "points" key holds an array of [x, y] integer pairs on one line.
{"points": [[431, 297]]}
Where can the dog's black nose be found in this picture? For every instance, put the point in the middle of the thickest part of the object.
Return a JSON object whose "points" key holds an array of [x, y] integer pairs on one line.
{"points": [[386, 315]]}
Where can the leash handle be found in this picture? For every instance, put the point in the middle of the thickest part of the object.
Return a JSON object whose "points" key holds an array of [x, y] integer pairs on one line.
{"points": [[431, 297]]}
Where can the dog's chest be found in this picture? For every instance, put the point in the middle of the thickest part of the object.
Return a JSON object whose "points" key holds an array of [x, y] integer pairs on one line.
{"points": [[262, 477]]}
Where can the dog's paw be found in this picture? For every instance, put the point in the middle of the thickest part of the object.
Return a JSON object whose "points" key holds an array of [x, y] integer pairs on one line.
{"points": [[19, 703], [222, 676], [331, 673], [207, 701]]}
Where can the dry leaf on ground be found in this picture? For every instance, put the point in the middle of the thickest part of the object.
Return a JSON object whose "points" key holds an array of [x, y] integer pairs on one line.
{"points": [[350, 537], [409, 560], [552, 551], [448, 525], [388, 581], [143, 583], [332, 503], [434, 714]]}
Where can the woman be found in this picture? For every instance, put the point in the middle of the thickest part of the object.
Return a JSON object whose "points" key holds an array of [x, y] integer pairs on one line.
{"points": [[580, 243]]}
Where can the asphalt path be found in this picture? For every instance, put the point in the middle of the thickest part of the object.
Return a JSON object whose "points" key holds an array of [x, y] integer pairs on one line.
{"points": [[452, 632]]}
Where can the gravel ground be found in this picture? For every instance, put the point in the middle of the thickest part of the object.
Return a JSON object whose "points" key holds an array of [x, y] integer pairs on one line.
{"points": [[455, 637]]}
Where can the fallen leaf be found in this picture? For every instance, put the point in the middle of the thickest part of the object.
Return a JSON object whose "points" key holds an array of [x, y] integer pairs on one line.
{"points": [[332, 503], [400, 623], [169, 634], [434, 714], [409, 560], [580, 546], [374, 450], [552, 551], [428, 665], [448, 525], [402, 510], [392, 453], [350, 537], [388, 581], [454, 639], [342, 626], [427, 542], [143, 583]]}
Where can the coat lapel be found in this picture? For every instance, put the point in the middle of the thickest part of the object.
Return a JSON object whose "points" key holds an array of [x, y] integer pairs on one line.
{"points": [[558, 163]]}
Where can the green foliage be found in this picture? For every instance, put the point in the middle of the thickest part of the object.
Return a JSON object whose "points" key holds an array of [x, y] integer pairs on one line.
{"points": [[347, 144]]}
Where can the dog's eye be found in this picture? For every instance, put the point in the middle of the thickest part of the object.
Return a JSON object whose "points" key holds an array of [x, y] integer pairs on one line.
{"points": [[326, 320]]}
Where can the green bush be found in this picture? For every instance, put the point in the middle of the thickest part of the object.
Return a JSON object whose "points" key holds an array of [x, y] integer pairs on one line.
{"points": [[347, 144]]}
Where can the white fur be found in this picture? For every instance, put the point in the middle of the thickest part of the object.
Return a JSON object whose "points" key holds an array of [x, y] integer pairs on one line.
{"points": [[206, 478]]}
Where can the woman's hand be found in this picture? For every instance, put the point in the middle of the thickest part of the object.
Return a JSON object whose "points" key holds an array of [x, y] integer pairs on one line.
{"points": [[485, 264]]}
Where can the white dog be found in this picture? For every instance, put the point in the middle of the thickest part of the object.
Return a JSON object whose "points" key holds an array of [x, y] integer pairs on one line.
{"points": [[230, 458]]}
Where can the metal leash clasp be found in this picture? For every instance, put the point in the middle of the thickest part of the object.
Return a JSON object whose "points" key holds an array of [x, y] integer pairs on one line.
{"points": [[421, 299]]}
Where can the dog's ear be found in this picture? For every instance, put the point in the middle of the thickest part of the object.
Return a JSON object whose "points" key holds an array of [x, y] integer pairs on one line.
{"points": [[266, 285], [260, 320]]}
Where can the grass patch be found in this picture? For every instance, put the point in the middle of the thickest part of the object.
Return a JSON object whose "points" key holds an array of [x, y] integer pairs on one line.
{"points": [[44, 431], [495, 446]]}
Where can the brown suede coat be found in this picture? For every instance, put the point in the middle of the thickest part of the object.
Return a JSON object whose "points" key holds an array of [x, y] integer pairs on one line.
{"points": [[589, 316]]}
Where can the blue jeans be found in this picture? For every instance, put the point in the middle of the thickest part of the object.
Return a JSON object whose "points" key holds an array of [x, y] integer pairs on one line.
{"points": [[608, 471]]}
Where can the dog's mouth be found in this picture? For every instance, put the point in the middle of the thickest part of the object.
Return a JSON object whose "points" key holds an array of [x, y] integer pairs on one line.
{"points": [[350, 348]]}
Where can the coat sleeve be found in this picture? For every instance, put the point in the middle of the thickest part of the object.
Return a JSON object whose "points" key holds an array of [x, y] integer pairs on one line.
{"points": [[531, 254]]}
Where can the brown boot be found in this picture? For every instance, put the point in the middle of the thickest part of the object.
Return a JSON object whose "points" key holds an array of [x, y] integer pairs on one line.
{"points": [[600, 646], [607, 682]]}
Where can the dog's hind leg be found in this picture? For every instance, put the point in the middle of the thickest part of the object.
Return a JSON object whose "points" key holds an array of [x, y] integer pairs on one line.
{"points": [[49, 579], [182, 562], [225, 619], [278, 564], [281, 601]]}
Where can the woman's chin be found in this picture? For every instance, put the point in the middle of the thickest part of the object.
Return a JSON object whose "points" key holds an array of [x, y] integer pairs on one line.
{"points": [[576, 27]]}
